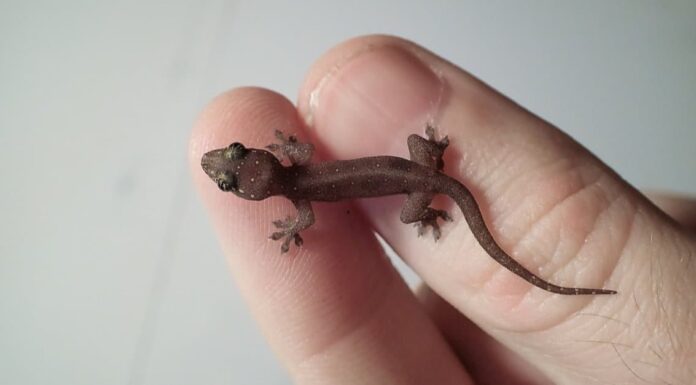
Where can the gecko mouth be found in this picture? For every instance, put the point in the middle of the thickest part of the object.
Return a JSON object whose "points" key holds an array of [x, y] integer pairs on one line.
{"points": [[207, 162]]}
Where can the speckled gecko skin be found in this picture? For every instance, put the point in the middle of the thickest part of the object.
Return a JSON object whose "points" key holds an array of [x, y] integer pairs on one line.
{"points": [[257, 174]]}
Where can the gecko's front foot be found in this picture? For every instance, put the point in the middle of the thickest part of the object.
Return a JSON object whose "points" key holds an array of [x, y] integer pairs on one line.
{"points": [[297, 153], [288, 231], [430, 220]]}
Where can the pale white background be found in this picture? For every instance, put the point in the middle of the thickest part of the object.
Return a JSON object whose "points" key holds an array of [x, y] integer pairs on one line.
{"points": [[109, 271]]}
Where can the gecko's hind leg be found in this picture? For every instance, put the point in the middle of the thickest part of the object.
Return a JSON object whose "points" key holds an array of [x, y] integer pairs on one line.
{"points": [[416, 211], [428, 152], [297, 153], [290, 227]]}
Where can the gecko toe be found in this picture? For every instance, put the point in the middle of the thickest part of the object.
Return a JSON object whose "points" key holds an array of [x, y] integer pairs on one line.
{"points": [[444, 215], [423, 225], [444, 142], [285, 224], [420, 228], [430, 132], [284, 248], [279, 135], [288, 235], [298, 240], [436, 232]]}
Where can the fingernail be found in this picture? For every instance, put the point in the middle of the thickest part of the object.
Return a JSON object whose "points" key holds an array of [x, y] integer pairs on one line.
{"points": [[377, 90]]}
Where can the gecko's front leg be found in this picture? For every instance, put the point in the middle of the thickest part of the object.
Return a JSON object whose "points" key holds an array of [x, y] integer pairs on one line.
{"points": [[297, 154]]}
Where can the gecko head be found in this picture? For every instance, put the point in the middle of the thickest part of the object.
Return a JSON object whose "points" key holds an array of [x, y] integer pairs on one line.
{"points": [[243, 171]]}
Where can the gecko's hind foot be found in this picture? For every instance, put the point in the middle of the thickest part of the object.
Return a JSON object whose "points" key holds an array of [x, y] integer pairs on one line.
{"points": [[422, 226], [432, 137], [431, 221], [437, 147]]}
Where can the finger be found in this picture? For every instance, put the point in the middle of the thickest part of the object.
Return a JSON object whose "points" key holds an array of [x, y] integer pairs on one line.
{"points": [[680, 208], [547, 201], [335, 310]]}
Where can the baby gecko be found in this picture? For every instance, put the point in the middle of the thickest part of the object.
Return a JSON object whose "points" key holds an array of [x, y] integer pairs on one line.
{"points": [[257, 174]]}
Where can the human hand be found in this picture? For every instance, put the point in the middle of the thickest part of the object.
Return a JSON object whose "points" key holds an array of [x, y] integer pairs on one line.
{"points": [[336, 311]]}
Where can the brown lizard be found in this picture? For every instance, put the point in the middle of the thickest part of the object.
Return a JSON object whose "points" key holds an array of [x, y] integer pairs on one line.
{"points": [[256, 174]]}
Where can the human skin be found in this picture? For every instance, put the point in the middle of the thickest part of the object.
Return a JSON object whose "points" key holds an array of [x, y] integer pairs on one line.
{"points": [[335, 311]]}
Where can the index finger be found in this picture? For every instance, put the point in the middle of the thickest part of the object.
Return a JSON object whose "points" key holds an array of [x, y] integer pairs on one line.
{"points": [[334, 310]]}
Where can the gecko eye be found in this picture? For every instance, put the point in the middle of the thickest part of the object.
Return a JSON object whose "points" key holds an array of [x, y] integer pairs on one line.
{"points": [[226, 183], [235, 151]]}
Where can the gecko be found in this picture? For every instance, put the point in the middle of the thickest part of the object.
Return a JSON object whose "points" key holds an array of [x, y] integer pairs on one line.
{"points": [[256, 174]]}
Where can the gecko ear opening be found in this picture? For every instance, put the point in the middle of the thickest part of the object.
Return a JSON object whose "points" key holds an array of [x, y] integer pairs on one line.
{"points": [[235, 151]]}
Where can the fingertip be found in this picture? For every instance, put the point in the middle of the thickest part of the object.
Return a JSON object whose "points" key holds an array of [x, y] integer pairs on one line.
{"points": [[240, 114], [247, 115], [357, 99], [330, 62]]}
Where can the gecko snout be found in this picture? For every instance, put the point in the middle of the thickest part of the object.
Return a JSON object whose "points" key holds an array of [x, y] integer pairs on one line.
{"points": [[207, 163], [215, 163]]}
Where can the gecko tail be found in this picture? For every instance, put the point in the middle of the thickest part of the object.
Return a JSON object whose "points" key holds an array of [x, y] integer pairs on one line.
{"points": [[472, 213]]}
